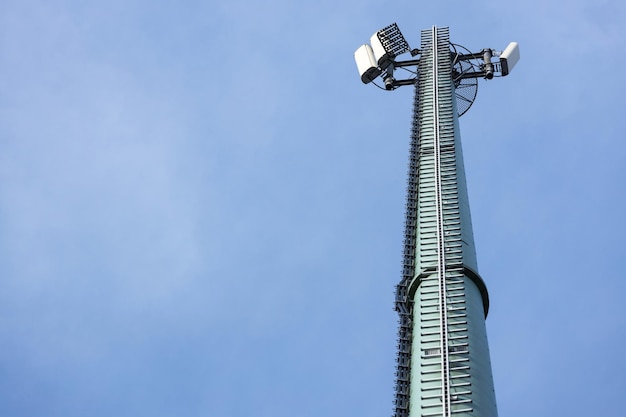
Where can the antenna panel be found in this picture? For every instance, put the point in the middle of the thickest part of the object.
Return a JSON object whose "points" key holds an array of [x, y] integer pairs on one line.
{"points": [[381, 56], [509, 58], [366, 63]]}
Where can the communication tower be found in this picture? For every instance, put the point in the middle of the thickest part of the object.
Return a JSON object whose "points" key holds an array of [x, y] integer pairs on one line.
{"points": [[443, 366]]}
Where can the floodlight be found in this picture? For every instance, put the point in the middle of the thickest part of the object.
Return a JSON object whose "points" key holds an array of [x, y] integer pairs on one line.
{"points": [[366, 63], [509, 58], [388, 43]]}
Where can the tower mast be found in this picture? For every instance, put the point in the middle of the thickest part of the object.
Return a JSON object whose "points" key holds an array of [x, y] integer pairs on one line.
{"points": [[443, 365]]}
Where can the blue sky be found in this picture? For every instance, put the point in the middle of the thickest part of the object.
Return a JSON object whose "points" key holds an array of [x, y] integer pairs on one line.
{"points": [[201, 206]]}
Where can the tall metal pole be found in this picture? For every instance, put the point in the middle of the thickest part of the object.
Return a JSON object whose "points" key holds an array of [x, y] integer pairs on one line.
{"points": [[441, 300], [443, 367]]}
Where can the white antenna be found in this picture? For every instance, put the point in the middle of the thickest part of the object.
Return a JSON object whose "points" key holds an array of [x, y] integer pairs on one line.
{"points": [[509, 58], [366, 63]]}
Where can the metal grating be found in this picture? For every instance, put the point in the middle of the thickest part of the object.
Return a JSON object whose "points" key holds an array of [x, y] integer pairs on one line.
{"points": [[392, 40]]}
